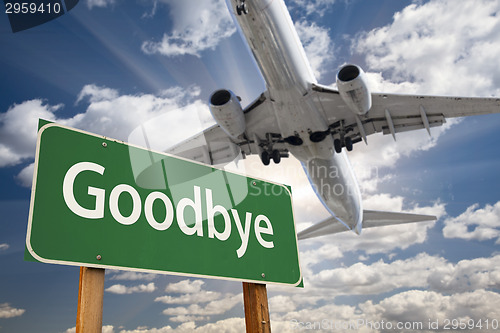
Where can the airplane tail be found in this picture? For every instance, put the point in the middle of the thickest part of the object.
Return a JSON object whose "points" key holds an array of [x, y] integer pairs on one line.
{"points": [[371, 219]]}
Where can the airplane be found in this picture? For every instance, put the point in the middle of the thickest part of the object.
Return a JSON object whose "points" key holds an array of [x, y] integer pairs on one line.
{"points": [[313, 122]]}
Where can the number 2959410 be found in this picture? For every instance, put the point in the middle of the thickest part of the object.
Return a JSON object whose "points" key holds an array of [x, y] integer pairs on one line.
{"points": [[32, 8]]}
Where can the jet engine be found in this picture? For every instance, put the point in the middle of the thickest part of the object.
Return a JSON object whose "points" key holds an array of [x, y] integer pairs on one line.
{"points": [[353, 90], [227, 112]]}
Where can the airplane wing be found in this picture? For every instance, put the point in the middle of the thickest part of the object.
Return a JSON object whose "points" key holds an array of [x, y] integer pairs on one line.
{"points": [[394, 113], [371, 219], [214, 146]]}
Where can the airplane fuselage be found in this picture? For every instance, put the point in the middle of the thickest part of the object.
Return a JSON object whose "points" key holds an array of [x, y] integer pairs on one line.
{"points": [[271, 35]]}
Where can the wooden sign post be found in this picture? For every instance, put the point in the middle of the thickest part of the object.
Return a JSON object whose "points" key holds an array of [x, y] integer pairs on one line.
{"points": [[90, 297], [256, 308]]}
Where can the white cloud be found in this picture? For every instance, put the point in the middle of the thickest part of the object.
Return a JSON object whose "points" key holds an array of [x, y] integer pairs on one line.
{"points": [[389, 238], [185, 287], [4, 247], [327, 251], [466, 275], [379, 277], [216, 307], [99, 3], [122, 290], [430, 48], [415, 307], [377, 83], [315, 318], [423, 272], [436, 289], [18, 130], [131, 276], [383, 152], [108, 113], [188, 318], [422, 306], [383, 201], [439, 46], [229, 325], [108, 329], [117, 115], [375, 240], [193, 294], [105, 329], [475, 223], [281, 303], [410, 307], [317, 7], [196, 28], [201, 296], [6, 311], [25, 177], [152, 11], [96, 94], [317, 44]]}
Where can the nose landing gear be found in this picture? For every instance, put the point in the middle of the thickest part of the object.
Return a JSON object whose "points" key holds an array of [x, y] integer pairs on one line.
{"points": [[242, 8], [267, 149]]}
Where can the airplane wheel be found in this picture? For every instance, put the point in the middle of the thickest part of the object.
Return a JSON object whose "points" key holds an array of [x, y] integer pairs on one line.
{"points": [[265, 158], [348, 144], [242, 9], [338, 146], [276, 156]]}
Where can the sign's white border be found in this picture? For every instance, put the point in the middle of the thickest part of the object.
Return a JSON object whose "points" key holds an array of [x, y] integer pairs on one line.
{"points": [[71, 263]]}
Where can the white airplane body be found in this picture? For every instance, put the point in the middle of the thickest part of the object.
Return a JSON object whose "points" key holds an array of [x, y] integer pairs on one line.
{"points": [[313, 122]]}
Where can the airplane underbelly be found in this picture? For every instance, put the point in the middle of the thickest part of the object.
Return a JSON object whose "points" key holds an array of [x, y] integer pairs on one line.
{"points": [[298, 117], [270, 33], [335, 185], [271, 36]]}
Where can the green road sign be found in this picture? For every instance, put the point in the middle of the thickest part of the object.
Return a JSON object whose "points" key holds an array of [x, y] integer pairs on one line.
{"points": [[99, 202]]}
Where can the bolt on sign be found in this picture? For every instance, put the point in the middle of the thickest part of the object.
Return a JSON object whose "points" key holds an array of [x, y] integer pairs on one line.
{"points": [[103, 203]]}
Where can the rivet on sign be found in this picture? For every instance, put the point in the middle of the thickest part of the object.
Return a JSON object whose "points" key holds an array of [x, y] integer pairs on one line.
{"points": [[263, 275], [104, 144], [254, 183], [98, 257]]}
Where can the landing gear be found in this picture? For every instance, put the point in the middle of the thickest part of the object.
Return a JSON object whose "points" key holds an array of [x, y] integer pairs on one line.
{"points": [[242, 8], [348, 143], [267, 149], [338, 144], [342, 136], [276, 156], [265, 158]]}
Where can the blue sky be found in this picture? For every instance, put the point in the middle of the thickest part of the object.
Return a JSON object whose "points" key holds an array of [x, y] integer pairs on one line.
{"points": [[110, 66]]}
